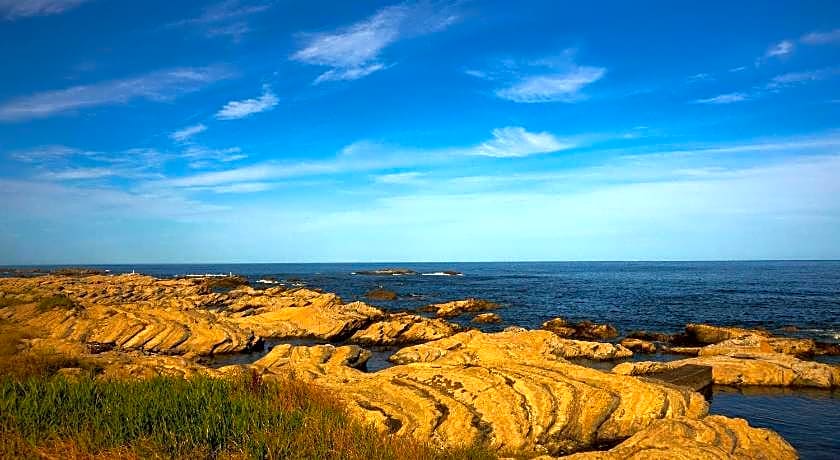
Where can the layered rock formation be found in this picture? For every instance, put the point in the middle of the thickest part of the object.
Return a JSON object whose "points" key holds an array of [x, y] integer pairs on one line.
{"points": [[178, 316], [299, 313], [746, 369], [132, 312], [689, 439], [404, 329], [507, 389], [469, 346]]}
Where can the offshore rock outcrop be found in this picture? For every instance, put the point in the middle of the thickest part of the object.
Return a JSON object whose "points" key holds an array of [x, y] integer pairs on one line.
{"points": [[584, 330], [708, 334], [458, 307], [487, 318]]}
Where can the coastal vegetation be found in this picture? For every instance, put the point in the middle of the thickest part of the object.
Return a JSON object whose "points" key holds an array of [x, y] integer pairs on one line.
{"points": [[48, 413]]}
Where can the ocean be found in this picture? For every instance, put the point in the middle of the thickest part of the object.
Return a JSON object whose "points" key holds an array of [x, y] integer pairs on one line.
{"points": [[797, 298]]}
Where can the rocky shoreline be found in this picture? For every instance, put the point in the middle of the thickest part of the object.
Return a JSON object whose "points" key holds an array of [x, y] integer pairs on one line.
{"points": [[515, 390]]}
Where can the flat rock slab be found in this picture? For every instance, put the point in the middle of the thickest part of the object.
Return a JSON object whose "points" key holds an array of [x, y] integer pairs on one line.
{"points": [[692, 376]]}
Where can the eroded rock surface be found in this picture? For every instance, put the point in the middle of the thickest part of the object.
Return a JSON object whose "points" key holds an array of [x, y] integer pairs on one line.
{"points": [[300, 313], [403, 329], [709, 334], [712, 437], [511, 393], [639, 345], [584, 330], [761, 344], [175, 316], [746, 369], [466, 347]]}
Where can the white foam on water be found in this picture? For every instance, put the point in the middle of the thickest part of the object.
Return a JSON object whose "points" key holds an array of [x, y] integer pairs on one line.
{"points": [[442, 274]]}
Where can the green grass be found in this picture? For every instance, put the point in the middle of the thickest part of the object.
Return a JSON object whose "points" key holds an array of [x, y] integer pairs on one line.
{"points": [[57, 301], [196, 418]]}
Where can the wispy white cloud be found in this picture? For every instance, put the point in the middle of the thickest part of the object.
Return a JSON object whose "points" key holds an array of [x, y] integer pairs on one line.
{"points": [[16, 9], [202, 157], [514, 141], [353, 73], [354, 51], [561, 87], [46, 153], [80, 174], [228, 18], [795, 78], [243, 187], [476, 73], [821, 38], [156, 86], [509, 142], [699, 77], [728, 98], [235, 110], [551, 79], [783, 48], [186, 133], [402, 178]]}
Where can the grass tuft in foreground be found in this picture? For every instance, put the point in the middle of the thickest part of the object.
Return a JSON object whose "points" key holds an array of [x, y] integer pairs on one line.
{"points": [[197, 418]]}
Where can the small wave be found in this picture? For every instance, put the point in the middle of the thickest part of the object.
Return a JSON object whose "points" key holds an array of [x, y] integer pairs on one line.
{"points": [[442, 274], [264, 281]]}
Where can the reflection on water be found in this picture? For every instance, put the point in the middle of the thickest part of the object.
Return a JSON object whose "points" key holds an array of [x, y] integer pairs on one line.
{"points": [[807, 418]]}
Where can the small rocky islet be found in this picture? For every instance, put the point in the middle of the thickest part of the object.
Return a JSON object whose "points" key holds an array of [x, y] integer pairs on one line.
{"points": [[518, 390]]}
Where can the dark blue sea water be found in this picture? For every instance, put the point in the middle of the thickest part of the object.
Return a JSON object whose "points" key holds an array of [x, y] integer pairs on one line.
{"points": [[659, 296], [655, 296]]}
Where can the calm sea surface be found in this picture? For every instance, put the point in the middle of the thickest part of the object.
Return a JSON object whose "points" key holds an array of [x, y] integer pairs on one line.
{"points": [[655, 296]]}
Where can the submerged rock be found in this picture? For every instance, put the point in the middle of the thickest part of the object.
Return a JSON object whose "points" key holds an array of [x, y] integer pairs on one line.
{"points": [[486, 318], [584, 330], [381, 294]]}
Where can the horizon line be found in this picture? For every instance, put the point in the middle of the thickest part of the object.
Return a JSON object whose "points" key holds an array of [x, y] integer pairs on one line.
{"points": [[79, 264]]}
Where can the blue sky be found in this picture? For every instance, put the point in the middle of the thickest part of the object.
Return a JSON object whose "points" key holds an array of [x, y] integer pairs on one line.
{"points": [[269, 131]]}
